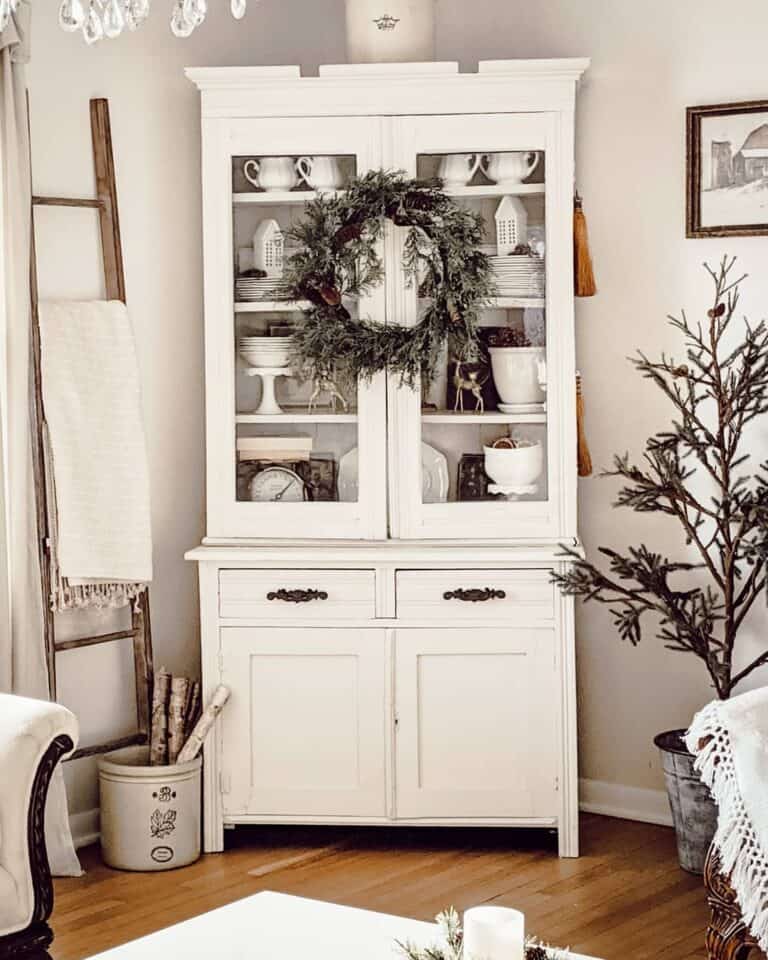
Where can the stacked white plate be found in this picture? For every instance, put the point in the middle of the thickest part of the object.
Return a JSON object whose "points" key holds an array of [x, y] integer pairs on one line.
{"points": [[518, 275], [265, 351], [259, 288]]}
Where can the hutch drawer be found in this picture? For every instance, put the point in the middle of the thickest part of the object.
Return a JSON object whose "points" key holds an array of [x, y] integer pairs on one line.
{"points": [[297, 594], [515, 596]]}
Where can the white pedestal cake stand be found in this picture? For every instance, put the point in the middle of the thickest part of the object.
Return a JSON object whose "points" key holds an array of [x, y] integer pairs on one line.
{"points": [[269, 404]]}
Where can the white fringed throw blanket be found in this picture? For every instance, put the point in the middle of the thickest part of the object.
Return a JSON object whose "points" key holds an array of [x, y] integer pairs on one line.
{"points": [[730, 739], [98, 477]]}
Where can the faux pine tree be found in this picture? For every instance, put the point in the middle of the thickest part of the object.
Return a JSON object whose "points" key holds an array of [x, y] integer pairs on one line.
{"points": [[697, 603]]}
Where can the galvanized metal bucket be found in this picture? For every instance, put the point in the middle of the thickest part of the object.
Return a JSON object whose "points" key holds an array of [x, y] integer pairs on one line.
{"points": [[694, 812]]}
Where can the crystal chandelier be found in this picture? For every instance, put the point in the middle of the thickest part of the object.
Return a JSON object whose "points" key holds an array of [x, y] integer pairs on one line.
{"points": [[108, 18], [7, 7]]}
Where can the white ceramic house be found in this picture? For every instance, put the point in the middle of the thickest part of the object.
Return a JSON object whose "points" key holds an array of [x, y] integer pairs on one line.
{"points": [[268, 248], [511, 225]]}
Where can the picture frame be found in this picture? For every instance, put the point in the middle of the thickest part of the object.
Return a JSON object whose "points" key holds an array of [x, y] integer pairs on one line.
{"points": [[320, 476], [472, 480], [726, 165]]}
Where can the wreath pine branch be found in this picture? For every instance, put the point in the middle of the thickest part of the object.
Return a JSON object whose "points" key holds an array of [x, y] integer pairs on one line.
{"points": [[338, 258]]}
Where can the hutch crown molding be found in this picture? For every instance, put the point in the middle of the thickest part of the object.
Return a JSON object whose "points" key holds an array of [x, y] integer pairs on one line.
{"points": [[381, 610]]}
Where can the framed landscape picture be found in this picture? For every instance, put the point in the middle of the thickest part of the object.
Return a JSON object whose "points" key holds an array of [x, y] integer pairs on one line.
{"points": [[727, 159]]}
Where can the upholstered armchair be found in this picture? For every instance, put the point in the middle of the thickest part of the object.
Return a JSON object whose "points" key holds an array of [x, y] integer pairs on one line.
{"points": [[34, 736]]}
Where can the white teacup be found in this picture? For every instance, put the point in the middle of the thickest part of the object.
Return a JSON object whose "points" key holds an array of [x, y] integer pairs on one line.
{"points": [[510, 169], [457, 169], [321, 173], [272, 173]]}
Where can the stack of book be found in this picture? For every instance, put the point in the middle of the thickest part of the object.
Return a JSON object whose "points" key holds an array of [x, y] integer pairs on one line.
{"points": [[274, 448]]}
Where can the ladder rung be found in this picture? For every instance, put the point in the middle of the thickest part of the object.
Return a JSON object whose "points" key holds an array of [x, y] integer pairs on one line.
{"points": [[93, 203], [98, 638], [118, 744]]}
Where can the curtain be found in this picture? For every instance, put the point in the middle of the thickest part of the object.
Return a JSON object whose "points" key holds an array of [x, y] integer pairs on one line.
{"points": [[23, 667]]}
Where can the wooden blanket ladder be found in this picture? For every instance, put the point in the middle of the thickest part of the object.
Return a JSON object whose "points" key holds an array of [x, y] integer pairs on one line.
{"points": [[140, 631]]}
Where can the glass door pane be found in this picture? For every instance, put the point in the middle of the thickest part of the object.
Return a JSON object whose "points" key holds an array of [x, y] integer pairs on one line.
{"points": [[485, 435], [296, 441], [287, 457]]}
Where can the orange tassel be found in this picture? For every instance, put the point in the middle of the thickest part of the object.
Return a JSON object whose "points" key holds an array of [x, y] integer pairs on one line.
{"points": [[583, 274], [583, 455]]}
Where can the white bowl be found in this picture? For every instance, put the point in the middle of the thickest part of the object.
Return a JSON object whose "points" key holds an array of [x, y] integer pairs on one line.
{"points": [[265, 351], [515, 468], [256, 358], [265, 339]]}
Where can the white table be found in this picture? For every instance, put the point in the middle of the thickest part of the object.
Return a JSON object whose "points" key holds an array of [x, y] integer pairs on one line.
{"points": [[274, 926]]}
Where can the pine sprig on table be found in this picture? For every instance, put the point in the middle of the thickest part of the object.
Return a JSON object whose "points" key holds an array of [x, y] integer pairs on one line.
{"points": [[452, 948], [338, 258]]}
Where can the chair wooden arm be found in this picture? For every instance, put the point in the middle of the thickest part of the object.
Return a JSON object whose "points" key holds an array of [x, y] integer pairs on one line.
{"points": [[727, 936], [32, 943]]}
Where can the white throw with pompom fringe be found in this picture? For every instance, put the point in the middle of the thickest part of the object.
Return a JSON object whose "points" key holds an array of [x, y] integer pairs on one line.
{"points": [[730, 740], [98, 476]]}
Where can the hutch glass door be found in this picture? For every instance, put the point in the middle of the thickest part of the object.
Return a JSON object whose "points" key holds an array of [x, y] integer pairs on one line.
{"points": [[478, 452], [286, 458]]}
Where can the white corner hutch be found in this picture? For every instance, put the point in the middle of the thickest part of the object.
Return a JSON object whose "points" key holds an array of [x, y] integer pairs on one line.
{"points": [[395, 649]]}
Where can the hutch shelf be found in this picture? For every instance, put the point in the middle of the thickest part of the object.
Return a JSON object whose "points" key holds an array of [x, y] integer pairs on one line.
{"points": [[378, 603]]}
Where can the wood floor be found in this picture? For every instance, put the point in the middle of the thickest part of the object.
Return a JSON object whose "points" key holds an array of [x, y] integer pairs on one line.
{"points": [[625, 898]]}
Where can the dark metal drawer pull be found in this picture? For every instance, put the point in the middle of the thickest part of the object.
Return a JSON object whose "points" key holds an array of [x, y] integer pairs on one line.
{"points": [[474, 595], [297, 596]]}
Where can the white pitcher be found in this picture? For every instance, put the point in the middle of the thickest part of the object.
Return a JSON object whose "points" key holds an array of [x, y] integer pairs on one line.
{"points": [[457, 169], [519, 374], [321, 173], [510, 169], [272, 173]]}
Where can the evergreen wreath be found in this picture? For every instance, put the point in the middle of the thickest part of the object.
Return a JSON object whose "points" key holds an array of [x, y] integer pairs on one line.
{"points": [[453, 935], [338, 259]]}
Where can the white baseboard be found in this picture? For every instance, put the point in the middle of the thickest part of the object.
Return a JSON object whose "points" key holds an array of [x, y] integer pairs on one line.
{"points": [[627, 803], [84, 827], [595, 796]]}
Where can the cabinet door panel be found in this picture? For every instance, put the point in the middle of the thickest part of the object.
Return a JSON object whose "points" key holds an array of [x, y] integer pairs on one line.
{"points": [[303, 734], [339, 492], [443, 482], [476, 731]]}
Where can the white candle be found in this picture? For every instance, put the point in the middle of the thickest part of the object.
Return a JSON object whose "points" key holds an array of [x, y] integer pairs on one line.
{"points": [[494, 933]]}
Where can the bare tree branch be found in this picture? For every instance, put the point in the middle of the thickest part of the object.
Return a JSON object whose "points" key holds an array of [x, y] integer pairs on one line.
{"points": [[715, 393]]}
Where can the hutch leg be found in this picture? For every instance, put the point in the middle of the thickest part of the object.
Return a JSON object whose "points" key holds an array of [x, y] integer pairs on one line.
{"points": [[568, 821], [213, 823], [568, 837]]}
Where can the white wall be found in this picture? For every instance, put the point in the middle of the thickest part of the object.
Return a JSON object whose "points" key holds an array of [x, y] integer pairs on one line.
{"points": [[650, 61]]}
